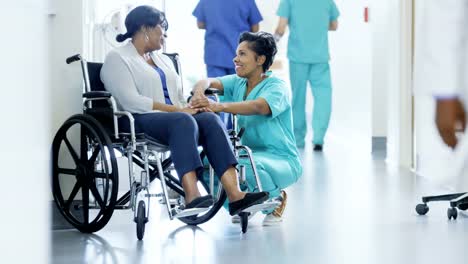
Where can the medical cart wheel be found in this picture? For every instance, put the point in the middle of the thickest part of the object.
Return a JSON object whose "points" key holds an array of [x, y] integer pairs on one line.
{"points": [[452, 213], [422, 209], [84, 174], [141, 220], [244, 221]]}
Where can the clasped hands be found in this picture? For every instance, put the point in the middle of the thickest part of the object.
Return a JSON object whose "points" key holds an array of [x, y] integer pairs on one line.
{"points": [[201, 103]]}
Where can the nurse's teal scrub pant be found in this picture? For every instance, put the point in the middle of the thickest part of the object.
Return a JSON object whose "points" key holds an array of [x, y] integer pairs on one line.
{"points": [[318, 75]]}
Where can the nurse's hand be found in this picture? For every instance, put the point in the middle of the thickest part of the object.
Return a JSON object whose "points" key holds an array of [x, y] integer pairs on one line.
{"points": [[189, 110], [215, 107], [450, 118]]}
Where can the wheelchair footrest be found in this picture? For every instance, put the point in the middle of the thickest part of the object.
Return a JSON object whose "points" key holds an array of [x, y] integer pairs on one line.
{"points": [[176, 212], [268, 205], [171, 201]]}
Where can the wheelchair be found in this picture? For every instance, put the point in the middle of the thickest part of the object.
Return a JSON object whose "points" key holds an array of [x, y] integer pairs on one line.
{"points": [[85, 175]]}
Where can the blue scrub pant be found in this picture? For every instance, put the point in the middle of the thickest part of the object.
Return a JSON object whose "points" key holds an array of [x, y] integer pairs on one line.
{"points": [[318, 74], [216, 71], [183, 133]]}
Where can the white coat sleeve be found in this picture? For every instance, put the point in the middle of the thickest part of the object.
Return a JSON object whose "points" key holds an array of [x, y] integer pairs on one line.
{"points": [[444, 42], [118, 80]]}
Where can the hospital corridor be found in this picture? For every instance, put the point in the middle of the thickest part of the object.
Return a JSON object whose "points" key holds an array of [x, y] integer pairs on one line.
{"points": [[234, 131]]}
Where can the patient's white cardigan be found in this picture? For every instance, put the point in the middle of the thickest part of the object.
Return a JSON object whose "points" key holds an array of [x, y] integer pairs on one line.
{"points": [[135, 84]]}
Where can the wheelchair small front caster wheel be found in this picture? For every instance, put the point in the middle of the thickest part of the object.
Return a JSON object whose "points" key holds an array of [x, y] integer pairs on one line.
{"points": [[452, 213], [422, 209], [141, 220], [244, 221]]}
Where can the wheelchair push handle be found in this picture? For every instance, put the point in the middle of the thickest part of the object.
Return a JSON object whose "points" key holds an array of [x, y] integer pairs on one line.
{"points": [[210, 91], [73, 58]]}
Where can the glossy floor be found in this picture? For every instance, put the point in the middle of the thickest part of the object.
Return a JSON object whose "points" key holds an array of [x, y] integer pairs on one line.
{"points": [[347, 208]]}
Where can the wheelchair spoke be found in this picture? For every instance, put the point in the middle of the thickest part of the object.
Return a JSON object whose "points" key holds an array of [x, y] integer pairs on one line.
{"points": [[67, 171], [72, 195], [85, 193], [93, 157], [97, 196], [72, 150], [101, 175]]}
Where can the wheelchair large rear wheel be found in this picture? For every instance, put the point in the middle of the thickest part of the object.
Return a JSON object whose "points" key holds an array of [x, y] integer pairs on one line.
{"points": [[84, 174]]}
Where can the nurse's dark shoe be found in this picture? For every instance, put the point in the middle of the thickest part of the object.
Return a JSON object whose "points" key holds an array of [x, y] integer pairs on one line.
{"points": [[249, 200], [318, 147]]}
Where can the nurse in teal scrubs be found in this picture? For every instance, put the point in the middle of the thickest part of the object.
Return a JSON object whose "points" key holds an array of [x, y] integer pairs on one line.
{"points": [[262, 102], [309, 23]]}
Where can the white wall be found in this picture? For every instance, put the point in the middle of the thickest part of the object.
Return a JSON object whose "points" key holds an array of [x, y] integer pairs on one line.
{"points": [[66, 28], [66, 81], [351, 68], [391, 22], [25, 149], [379, 15]]}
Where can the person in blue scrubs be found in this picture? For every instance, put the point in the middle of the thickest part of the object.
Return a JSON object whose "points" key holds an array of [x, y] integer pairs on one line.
{"points": [[224, 21], [308, 54], [262, 102]]}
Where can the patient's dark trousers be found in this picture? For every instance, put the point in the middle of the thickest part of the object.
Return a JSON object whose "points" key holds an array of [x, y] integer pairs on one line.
{"points": [[183, 133]]}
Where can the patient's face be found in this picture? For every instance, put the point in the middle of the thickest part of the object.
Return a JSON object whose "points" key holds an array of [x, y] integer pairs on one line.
{"points": [[156, 38], [245, 61]]}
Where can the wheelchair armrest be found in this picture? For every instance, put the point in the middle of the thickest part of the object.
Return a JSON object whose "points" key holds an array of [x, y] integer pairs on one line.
{"points": [[210, 91], [97, 94], [131, 120]]}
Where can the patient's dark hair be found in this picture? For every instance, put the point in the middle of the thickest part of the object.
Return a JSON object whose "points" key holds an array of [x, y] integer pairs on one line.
{"points": [[142, 16], [262, 43]]}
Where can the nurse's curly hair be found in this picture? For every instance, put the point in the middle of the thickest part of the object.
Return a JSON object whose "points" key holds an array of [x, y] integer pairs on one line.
{"points": [[142, 16], [262, 43]]}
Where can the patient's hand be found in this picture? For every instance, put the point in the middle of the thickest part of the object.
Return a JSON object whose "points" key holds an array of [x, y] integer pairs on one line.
{"points": [[199, 101]]}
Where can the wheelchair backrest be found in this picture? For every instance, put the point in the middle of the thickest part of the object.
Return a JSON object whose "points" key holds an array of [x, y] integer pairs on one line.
{"points": [[100, 109], [94, 72], [174, 58]]}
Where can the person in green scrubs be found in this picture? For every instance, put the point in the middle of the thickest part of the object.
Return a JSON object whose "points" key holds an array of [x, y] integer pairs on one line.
{"points": [[308, 54], [262, 102]]}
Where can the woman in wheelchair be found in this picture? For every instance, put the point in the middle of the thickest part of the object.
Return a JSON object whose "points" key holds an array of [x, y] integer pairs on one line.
{"points": [[263, 103], [146, 84]]}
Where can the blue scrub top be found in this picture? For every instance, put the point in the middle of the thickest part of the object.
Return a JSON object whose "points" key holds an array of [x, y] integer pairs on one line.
{"points": [[225, 20], [308, 28], [274, 133]]}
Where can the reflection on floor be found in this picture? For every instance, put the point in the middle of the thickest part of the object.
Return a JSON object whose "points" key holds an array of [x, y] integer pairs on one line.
{"points": [[347, 208]]}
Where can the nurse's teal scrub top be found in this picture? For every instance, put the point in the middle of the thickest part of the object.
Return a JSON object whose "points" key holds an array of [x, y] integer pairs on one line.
{"points": [[274, 133], [308, 23]]}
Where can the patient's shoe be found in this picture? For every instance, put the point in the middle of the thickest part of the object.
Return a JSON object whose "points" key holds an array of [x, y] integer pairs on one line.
{"points": [[277, 215], [249, 200], [200, 202]]}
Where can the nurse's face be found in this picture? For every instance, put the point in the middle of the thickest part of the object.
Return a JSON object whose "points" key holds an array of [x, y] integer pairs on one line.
{"points": [[247, 62], [156, 37]]}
